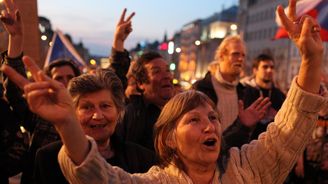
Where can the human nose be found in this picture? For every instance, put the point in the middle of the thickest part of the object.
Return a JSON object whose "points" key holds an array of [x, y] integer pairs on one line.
{"points": [[168, 74], [97, 114], [241, 57], [209, 126]]}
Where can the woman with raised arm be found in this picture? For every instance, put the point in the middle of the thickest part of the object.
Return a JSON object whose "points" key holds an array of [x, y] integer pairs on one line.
{"points": [[188, 135]]}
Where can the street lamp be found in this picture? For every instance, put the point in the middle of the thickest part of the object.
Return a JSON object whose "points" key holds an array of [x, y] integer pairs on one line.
{"points": [[92, 62], [197, 42], [44, 37], [170, 49], [233, 27]]}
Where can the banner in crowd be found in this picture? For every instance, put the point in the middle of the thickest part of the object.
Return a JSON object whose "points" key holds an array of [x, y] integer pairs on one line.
{"points": [[62, 48], [315, 8]]}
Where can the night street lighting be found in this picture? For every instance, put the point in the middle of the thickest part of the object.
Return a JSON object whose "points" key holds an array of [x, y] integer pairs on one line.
{"points": [[44, 37], [233, 27], [93, 62]]}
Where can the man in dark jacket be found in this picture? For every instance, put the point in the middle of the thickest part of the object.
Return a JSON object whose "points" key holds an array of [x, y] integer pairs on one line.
{"points": [[262, 85], [154, 81]]}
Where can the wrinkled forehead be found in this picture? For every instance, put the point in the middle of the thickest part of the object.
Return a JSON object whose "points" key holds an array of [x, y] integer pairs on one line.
{"points": [[236, 46]]}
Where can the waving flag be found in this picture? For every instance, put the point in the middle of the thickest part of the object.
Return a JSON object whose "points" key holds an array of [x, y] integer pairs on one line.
{"points": [[63, 49], [315, 8]]}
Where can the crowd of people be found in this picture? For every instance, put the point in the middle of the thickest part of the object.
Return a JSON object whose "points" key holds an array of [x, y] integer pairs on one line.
{"points": [[129, 124]]}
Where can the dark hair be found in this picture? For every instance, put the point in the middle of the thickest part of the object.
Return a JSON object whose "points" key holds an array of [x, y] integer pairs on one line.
{"points": [[102, 79], [139, 70], [260, 58], [62, 62]]}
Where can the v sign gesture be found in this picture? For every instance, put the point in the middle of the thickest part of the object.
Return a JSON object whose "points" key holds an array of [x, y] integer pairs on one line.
{"points": [[12, 22], [11, 19], [50, 100], [123, 29], [305, 33]]}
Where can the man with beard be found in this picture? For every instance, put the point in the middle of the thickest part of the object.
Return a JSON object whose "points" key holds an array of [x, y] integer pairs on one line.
{"points": [[222, 85]]}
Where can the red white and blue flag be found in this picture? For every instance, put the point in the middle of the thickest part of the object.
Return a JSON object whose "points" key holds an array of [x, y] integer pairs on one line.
{"points": [[63, 49], [315, 8]]}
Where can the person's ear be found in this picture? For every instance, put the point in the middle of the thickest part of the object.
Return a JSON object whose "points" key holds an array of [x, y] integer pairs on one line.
{"points": [[254, 71]]}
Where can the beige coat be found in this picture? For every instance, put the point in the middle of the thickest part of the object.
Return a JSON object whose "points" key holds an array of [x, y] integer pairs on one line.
{"points": [[267, 160]]}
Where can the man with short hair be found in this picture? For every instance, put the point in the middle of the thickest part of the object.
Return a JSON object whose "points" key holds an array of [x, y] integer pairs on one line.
{"points": [[154, 81], [222, 85], [62, 70], [262, 85]]}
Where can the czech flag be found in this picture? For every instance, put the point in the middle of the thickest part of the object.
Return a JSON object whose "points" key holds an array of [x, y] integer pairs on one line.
{"points": [[63, 49], [315, 8]]}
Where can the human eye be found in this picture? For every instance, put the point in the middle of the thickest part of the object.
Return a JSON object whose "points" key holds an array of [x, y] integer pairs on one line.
{"points": [[86, 107], [105, 106], [155, 70], [193, 119], [213, 117]]}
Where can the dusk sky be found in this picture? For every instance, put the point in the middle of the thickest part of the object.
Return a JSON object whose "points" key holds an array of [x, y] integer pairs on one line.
{"points": [[93, 21]]}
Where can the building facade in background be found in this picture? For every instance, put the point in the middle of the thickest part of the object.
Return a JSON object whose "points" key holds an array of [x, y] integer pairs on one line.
{"points": [[256, 20], [192, 48]]}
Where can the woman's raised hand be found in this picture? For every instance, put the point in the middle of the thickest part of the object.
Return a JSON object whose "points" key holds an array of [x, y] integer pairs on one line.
{"points": [[10, 18], [304, 31], [46, 97], [122, 31]]}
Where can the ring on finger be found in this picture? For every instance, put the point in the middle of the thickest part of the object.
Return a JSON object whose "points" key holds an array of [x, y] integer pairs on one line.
{"points": [[315, 29]]}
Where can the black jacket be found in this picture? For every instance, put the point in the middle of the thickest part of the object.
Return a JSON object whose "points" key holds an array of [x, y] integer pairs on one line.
{"points": [[128, 156], [138, 122], [276, 98], [13, 146], [43, 132]]}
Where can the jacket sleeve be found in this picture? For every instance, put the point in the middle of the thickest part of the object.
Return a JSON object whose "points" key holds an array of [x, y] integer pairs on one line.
{"points": [[236, 135], [13, 143], [120, 63], [95, 169], [14, 94], [270, 158]]}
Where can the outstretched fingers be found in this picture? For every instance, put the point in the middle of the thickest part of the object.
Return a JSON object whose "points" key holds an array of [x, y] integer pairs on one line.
{"points": [[285, 21], [263, 105], [122, 16], [292, 10], [256, 102], [10, 6], [32, 67], [36, 85], [14, 76], [130, 17]]}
